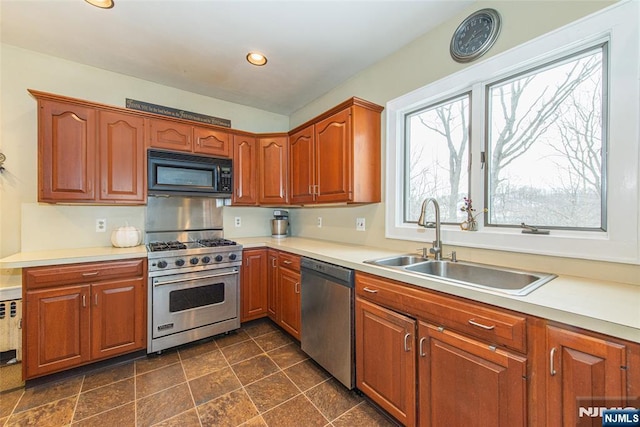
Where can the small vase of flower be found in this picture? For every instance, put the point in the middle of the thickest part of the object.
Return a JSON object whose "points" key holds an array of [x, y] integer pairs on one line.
{"points": [[471, 224]]}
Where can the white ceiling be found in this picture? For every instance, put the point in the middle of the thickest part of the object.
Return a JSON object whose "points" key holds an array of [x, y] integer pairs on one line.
{"points": [[200, 46]]}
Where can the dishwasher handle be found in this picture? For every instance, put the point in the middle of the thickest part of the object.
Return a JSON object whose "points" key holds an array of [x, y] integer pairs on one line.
{"points": [[335, 273]]}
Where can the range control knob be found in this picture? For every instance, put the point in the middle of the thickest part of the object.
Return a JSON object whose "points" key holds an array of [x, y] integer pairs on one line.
{"points": [[179, 262], [218, 258], [233, 257], [193, 261], [162, 264], [206, 260]]}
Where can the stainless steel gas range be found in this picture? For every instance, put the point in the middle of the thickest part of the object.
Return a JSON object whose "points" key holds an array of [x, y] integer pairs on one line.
{"points": [[194, 273]]}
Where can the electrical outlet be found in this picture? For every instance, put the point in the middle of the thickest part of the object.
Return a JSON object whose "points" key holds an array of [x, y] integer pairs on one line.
{"points": [[360, 224], [319, 222], [101, 225], [238, 222]]}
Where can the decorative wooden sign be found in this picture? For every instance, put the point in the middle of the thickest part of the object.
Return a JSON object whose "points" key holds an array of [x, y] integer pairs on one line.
{"points": [[174, 112]]}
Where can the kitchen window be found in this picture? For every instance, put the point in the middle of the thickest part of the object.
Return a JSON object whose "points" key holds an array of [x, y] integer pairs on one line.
{"points": [[437, 158], [545, 145], [550, 130]]}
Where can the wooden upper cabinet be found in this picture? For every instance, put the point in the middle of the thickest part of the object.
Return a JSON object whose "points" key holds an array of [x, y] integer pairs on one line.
{"points": [[336, 157], [334, 154], [171, 135], [122, 157], [273, 158], [66, 152], [212, 142], [301, 166], [245, 170]]}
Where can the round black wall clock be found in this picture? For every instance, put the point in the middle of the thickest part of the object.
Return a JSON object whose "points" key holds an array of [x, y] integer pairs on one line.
{"points": [[475, 35]]}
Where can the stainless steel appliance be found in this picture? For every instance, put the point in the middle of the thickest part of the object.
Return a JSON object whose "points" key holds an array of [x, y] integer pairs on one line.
{"points": [[188, 174], [280, 223], [194, 273], [327, 334]]}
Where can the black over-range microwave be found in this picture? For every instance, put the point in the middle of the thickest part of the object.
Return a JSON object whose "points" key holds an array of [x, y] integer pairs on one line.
{"points": [[188, 174]]}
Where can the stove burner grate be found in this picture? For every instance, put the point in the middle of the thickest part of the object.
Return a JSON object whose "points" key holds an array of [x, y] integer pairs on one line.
{"points": [[166, 246], [216, 242]]}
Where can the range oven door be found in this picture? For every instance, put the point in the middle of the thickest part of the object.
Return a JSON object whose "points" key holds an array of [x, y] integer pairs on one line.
{"points": [[186, 301]]}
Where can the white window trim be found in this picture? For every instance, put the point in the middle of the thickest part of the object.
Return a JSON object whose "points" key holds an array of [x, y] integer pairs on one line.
{"points": [[620, 243]]}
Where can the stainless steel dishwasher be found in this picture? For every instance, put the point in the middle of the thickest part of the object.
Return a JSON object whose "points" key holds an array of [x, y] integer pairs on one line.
{"points": [[327, 318]]}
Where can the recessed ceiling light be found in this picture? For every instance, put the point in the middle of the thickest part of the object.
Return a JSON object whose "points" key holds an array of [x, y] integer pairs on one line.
{"points": [[256, 58], [102, 4]]}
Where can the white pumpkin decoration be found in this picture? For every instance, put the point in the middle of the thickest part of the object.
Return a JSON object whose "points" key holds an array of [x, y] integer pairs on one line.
{"points": [[125, 237]]}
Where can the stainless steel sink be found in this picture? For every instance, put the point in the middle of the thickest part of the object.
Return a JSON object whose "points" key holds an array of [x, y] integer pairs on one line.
{"points": [[399, 261], [513, 282]]}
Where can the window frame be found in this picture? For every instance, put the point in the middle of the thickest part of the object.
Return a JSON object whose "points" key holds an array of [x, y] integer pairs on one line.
{"points": [[616, 25], [604, 47]]}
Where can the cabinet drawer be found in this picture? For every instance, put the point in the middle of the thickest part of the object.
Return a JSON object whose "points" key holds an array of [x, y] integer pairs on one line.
{"points": [[490, 325], [290, 261], [379, 290], [42, 277]]}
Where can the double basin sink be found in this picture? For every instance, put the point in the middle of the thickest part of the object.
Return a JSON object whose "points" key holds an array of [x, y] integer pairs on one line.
{"points": [[512, 282]]}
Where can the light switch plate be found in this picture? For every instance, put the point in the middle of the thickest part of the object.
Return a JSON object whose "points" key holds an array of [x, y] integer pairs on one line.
{"points": [[360, 224]]}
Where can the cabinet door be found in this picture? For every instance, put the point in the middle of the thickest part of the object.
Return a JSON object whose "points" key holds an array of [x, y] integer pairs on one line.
{"points": [[66, 152], [170, 135], [245, 170], [211, 141], [289, 293], [385, 359], [58, 326], [118, 316], [333, 156], [273, 157], [253, 290], [121, 145], [301, 166], [272, 286], [582, 371], [463, 382]]}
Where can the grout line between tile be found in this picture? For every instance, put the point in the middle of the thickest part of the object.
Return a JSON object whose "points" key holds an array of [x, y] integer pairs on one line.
{"points": [[193, 400]]}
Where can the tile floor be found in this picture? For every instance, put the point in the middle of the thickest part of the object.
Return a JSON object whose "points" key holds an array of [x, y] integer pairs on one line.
{"points": [[257, 376]]}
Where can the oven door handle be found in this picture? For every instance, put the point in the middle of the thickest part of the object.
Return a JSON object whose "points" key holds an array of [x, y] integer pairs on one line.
{"points": [[168, 282]]}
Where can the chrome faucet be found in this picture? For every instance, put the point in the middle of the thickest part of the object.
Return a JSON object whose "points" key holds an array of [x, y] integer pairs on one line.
{"points": [[436, 249]]}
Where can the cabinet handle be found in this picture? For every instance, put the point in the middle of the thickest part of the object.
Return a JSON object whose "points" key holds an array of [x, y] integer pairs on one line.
{"points": [[422, 353], [93, 273], [273, 263], [371, 291], [406, 342], [297, 288], [552, 368], [84, 300], [311, 190], [95, 300], [317, 191], [286, 261], [480, 325]]}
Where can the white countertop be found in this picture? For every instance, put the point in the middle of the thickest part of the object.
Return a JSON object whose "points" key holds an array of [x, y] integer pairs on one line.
{"points": [[607, 307]]}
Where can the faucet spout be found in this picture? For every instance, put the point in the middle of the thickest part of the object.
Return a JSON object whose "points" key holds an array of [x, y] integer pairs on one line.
{"points": [[436, 249]]}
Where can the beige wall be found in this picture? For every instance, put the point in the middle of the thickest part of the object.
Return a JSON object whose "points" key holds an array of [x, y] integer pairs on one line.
{"points": [[423, 61]]}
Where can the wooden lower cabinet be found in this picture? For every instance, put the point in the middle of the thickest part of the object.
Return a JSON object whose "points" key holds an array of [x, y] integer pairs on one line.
{"points": [[289, 298], [68, 324], [464, 382], [386, 359], [58, 325], [585, 371], [253, 290], [117, 317], [272, 285]]}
